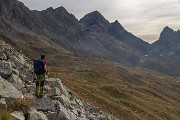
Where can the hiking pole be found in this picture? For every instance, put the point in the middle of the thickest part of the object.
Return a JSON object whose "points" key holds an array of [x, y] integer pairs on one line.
{"points": [[50, 90], [39, 88]]}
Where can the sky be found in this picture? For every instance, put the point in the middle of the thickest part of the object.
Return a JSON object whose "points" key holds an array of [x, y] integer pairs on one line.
{"points": [[144, 18]]}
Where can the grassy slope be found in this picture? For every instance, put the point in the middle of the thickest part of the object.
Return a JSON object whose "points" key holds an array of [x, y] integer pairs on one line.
{"points": [[127, 93]]}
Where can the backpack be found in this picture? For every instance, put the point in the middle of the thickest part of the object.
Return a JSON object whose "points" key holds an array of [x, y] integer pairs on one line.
{"points": [[38, 67]]}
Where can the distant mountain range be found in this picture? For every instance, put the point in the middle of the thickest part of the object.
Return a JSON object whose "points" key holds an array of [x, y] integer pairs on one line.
{"points": [[91, 36]]}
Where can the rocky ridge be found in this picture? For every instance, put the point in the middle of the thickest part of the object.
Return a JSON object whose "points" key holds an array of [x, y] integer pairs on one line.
{"points": [[58, 103]]}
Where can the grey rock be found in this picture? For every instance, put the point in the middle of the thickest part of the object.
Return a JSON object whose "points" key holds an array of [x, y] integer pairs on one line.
{"points": [[56, 82], [18, 115], [25, 75], [34, 115], [56, 92], [30, 88], [91, 117], [15, 71], [3, 103], [52, 115], [16, 82], [64, 100], [2, 55], [7, 90], [45, 104], [66, 115], [5, 69]]}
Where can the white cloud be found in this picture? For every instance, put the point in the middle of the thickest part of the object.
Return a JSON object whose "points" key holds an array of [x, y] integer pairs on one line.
{"points": [[144, 18]]}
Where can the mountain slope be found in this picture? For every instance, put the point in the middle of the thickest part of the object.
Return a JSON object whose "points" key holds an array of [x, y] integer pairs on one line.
{"points": [[164, 54], [123, 46], [128, 93], [92, 36], [63, 29], [17, 99]]}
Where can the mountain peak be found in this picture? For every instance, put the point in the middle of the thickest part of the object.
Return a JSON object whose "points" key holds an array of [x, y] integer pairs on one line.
{"points": [[167, 33], [116, 28], [167, 29], [117, 24], [61, 8], [56, 9], [94, 18], [49, 9], [96, 13], [116, 21]]}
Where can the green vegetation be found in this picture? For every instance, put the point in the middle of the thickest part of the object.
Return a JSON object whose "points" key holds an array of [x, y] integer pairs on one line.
{"points": [[5, 115], [13, 105]]}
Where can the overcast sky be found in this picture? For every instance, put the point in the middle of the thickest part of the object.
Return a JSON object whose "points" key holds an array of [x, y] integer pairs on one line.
{"points": [[143, 18]]}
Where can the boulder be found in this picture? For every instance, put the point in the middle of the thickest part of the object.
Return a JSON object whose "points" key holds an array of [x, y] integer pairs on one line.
{"points": [[18, 62], [64, 100], [18, 115], [45, 104], [52, 115], [56, 82], [56, 91], [2, 55], [25, 75], [5, 69], [3, 104], [15, 79], [64, 114], [34, 115], [15, 72], [7, 90]]}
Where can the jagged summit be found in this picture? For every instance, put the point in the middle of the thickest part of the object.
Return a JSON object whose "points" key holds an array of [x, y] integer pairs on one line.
{"points": [[94, 18], [116, 23], [167, 34], [49, 9], [116, 28], [167, 30], [56, 9]]}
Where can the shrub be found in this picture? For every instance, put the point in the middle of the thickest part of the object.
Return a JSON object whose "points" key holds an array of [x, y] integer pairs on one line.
{"points": [[18, 105]]}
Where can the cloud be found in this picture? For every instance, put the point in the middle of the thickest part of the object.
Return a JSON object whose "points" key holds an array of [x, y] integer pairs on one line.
{"points": [[144, 18]]}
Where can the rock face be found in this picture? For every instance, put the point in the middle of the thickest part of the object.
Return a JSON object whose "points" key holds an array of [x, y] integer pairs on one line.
{"points": [[58, 102]]}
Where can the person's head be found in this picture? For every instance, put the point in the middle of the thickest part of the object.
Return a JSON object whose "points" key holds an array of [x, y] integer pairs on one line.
{"points": [[43, 57]]}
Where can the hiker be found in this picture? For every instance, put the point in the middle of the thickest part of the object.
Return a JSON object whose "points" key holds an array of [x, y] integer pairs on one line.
{"points": [[40, 69]]}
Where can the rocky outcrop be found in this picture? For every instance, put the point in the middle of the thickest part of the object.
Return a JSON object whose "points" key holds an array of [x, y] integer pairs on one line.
{"points": [[58, 102], [7, 90]]}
